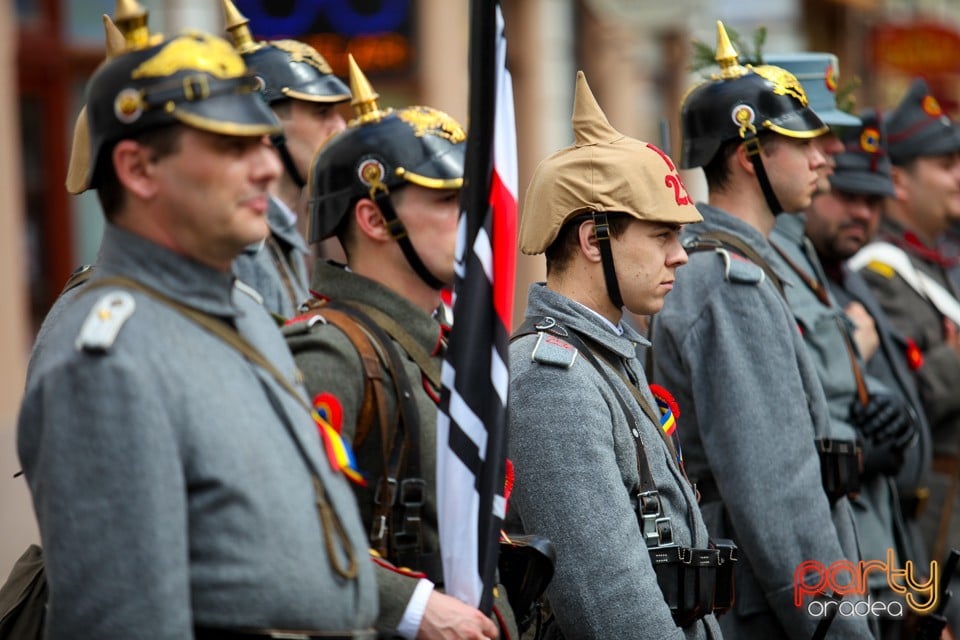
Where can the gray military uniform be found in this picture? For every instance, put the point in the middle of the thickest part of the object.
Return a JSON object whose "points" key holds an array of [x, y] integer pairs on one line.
{"points": [[727, 346], [166, 482], [876, 508], [276, 267], [575, 465]]}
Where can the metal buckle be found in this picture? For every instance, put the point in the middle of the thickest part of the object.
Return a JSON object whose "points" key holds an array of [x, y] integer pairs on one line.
{"points": [[391, 488], [413, 492], [379, 529], [196, 87], [546, 323], [664, 530], [752, 146]]}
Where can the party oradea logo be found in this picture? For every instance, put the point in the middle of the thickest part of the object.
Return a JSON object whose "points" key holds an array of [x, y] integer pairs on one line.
{"points": [[842, 588]]}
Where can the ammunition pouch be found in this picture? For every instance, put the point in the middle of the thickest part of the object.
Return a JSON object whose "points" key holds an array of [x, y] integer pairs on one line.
{"points": [[839, 467], [526, 565], [695, 582]]}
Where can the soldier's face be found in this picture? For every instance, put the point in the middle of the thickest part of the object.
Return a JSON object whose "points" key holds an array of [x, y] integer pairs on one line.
{"points": [[430, 217], [793, 166], [211, 194], [840, 223], [646, 256], [930, 190], [830, 145], [306, 126]]}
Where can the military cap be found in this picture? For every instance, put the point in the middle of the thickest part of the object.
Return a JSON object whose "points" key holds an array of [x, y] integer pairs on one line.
{"points": [[602, 171], [194, 79], [919, 127], [864, 166], [286, 69], [818, 73], [738, 102], [381, 150]]}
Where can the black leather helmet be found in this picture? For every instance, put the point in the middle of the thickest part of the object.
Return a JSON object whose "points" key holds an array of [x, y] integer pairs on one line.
{"points": [[286, 68], [194, 79], [379, 151], [738, 103]]}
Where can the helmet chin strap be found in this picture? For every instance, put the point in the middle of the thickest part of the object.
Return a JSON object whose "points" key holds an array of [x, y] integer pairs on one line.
{"points": [[279, 141], [602, 230], [399, 233], [752, 146]]}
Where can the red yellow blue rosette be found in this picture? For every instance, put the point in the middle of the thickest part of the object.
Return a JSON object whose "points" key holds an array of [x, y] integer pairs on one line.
{"points": [[328, 415]]}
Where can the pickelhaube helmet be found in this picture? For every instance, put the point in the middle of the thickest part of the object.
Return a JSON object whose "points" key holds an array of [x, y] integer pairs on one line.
{"points": [[194, 79], [287, 69], [739, 102], [819, 74], [379, 151]]}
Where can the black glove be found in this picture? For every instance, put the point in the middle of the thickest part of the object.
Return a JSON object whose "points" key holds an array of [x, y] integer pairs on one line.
{"points": [[887, 431]]}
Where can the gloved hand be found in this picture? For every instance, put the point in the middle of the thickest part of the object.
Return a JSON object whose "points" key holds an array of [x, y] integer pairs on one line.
{"points": [[887, 431]]}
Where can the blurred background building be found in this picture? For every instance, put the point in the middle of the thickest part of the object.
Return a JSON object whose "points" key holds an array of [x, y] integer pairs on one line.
{"points": [[636, 55]]}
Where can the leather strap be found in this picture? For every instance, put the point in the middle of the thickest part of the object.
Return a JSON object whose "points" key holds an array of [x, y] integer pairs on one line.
{"points": [[752, 145], [228, 334], [399, 233], [281, 262], [279, 142]]}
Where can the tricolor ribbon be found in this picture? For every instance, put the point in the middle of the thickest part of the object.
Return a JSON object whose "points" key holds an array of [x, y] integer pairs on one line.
{"points": [[328, 414]]}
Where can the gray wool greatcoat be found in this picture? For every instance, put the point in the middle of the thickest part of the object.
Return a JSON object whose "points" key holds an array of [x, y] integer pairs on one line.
{"points": [[751, 406], [164, 474], [879, 525], [575, 466], [280, 279]]}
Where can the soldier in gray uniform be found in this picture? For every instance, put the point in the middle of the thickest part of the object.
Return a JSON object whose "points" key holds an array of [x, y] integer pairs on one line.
{"points": [[371, 346], [859, 405], [175, 471], [839, 223], [772, 471], [595, 473], [300, 87], [909, 278]]}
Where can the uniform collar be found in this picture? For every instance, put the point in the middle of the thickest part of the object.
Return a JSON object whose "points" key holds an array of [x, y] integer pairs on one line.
{"points": [[543, 301], [333, 281], [283, 223], [196, 285], [715, 219], [910, 242]]}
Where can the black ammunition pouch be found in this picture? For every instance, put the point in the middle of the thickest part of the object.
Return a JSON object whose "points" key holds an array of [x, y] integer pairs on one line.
{"points": [[695, 582], [839, 467]]}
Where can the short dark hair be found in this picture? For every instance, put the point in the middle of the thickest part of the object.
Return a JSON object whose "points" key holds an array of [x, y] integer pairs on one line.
{"points": [[346, 231], [564, 246], [717, 171], [163, 141]]}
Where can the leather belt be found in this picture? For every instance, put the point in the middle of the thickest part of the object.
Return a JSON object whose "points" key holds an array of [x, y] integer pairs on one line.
{"points": [[218, 633]]}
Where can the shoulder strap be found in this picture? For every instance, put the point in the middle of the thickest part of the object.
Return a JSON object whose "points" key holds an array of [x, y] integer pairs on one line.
{"points": [[328, 517], [374, 407], [741, 247]]}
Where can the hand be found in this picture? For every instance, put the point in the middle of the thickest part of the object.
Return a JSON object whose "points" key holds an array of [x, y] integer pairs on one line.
{"points": [[887, 431], [446, 618], [865, 330]]}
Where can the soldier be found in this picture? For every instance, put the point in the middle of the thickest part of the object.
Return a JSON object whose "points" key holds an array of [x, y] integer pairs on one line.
{"points": [[303, 92], [909, 278], [859, 404], [372, 345], [772, 472], [839, 224], [594, 471], [159, 494]]}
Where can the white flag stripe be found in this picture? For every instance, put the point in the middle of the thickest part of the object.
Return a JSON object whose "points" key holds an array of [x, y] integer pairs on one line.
{"points": [[484, 252], [505, 133], [499, 375], [469, 423]]}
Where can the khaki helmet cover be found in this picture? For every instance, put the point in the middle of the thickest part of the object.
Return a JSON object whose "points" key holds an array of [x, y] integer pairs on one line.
{"points": [[602, 171]]}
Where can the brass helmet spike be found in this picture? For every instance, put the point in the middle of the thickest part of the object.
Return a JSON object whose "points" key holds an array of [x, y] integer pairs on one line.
{"points": [[727, 57], [131, 18], [114, 41], [364, 97], [237, 28]]}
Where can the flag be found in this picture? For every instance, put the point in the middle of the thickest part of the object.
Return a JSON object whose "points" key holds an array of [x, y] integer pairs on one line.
{"points": [[472, 417]]}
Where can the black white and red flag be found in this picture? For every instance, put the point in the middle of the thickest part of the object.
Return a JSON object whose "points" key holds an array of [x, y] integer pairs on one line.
{"points": [[472, 420]]}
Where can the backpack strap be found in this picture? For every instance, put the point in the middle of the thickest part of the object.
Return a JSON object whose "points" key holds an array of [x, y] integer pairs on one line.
{"points": [[718, 240]]}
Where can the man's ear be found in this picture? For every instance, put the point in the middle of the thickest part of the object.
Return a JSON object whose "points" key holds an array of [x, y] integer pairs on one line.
{"points": [[899, 176], [742, 158], [587, 239], [134, 166], [370, 220]]}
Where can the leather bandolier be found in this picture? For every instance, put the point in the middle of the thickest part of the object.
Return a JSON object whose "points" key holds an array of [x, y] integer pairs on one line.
{"points": [[839, 459], [396, 532], [694, 582]]}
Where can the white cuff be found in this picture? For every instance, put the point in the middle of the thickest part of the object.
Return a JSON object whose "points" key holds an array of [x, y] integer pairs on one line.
{"points": [[413, 614]]}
